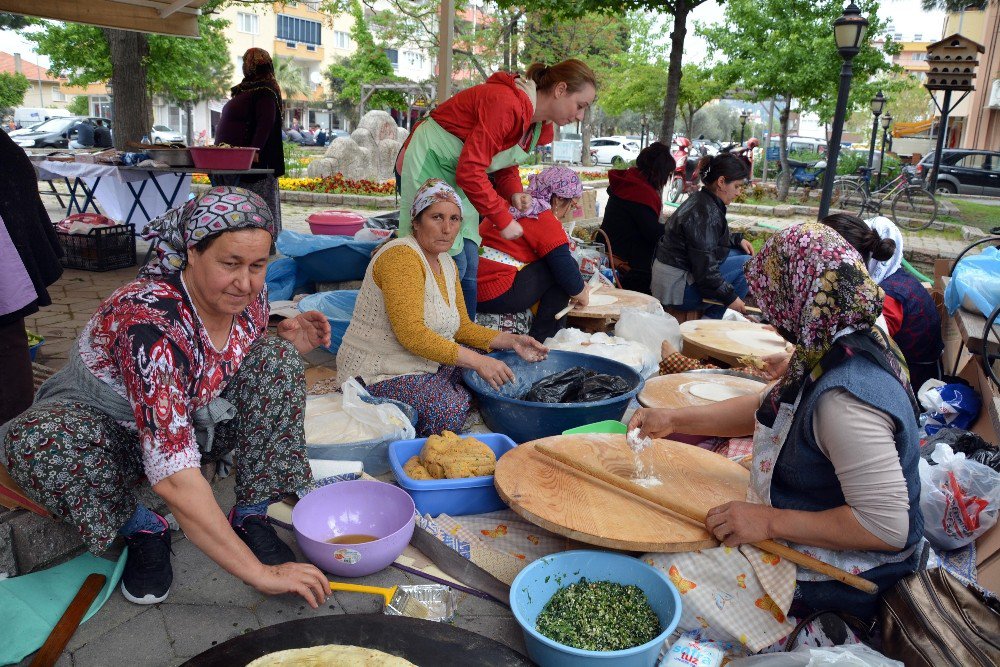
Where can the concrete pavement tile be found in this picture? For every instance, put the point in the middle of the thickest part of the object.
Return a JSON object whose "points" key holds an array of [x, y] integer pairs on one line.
{"points": [[65, 660], [280, 608], [197, 628], [116, 611], [210, 586], [504, 630], [143, 640]]}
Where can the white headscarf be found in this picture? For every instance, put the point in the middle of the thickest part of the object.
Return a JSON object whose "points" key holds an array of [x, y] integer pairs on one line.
{"points": [[886, 229]]}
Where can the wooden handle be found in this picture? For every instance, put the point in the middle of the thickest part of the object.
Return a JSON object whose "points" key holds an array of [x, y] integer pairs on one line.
{"points": [[752, 309], [570, 306], [698, 515], [69, 622], [387, 593]]}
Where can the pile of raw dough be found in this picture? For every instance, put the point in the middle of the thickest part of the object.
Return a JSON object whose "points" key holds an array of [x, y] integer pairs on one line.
{"points": [[326, 423], [448, 456]]}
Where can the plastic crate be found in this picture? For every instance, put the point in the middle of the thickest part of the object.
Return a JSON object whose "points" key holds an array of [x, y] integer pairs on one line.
{"points": [[103, 249]]}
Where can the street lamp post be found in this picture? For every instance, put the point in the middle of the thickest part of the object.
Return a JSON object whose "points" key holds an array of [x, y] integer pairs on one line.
{"points": [[110, 89], [743, 124], [886, 122], [878, 103], [329, 116], [848, 30], [645, 131]]}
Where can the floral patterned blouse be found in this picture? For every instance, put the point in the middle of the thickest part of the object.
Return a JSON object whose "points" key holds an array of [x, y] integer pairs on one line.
{"points": [[147, 342]]}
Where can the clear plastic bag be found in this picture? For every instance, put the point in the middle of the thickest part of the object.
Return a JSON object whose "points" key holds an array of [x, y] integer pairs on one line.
{"points": [[388, 419], [649, 328], [959, 498], [848, 655], [975, 283]]}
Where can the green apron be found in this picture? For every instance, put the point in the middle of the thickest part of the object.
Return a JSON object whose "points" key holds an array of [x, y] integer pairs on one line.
{"points": [[433, 153]]}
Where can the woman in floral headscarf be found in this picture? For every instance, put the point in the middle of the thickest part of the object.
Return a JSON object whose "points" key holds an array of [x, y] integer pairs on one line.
{"points": [[410, 333], [536, 267], [176, 369], [834, 469]]}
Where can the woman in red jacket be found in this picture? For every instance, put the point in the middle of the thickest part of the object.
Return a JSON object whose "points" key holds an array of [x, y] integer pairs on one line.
{"points": [[475, 141], [536, 267]]}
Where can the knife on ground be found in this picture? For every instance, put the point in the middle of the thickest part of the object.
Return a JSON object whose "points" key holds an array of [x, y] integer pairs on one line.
{"points": [[455, 565]]}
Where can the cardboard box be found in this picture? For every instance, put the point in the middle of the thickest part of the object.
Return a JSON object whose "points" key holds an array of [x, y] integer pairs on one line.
{"points": [[588, 205]]}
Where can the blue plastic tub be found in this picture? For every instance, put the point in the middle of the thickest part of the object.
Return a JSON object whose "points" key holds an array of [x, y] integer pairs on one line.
{"points": [[373, 454], [538, 582], [338, 307], [455, 497], [527, 420], [347, 262]]}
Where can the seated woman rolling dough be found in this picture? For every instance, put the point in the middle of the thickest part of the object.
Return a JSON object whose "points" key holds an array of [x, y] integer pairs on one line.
{"points": [[176, 368], [407, 337], [834, 468], [536, 267]]}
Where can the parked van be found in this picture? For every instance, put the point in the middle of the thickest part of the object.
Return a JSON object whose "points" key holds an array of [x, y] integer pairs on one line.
{"points": [[802, 144], [25, 116]]}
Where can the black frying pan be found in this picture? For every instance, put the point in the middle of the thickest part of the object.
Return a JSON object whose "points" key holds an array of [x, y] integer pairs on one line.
{"points": [[421, 642]]}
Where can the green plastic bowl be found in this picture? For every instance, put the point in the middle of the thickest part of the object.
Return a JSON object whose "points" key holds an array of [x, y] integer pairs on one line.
{"points": [[606, 426]]}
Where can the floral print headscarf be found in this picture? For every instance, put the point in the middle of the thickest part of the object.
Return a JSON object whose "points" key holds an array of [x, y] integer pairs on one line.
{"points": [[178, 230], [814, 288], [556, 180], [433, 191]]}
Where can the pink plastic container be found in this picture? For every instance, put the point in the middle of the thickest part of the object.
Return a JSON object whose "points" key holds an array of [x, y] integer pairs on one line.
{"points": [[335, 222], [205, 157]]}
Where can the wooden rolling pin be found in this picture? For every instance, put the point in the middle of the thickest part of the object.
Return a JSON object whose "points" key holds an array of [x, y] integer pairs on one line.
{"points": [[70, 621], [752, 309], [699, 515], [571, 305]]}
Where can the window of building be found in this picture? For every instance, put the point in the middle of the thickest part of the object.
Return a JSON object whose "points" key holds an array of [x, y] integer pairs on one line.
{"points": [[918, 37], [413, 59], [100, 106], [341, 39], [177, 119], [393, 57], [247, 23], [58, 95], [292, 29]]}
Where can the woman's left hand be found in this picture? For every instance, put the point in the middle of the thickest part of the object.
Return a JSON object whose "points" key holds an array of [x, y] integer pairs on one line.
{"points": [[739, 523], [306, 331], [747, 247], [530, 349]]}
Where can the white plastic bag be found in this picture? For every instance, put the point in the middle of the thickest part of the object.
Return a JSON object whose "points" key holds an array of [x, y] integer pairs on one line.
{"points": [[848, 655], [388, 418], [650, 329], [369, 235], [959, 498], [630, 353]]}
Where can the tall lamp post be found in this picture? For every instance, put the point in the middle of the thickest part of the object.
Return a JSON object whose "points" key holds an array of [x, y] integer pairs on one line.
{"points": [[848, 30], [329, 115], [886, 122], [743, 123], [878, 103], [110, 89], [645, 131]]}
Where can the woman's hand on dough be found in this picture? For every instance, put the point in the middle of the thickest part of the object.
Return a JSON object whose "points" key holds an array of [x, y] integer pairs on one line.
{"points": [[521, 201], [494, 371], [583, 298], [776, 364], [739, 523], [512, 231], [652, 422], [738, 306], [529, 349]]}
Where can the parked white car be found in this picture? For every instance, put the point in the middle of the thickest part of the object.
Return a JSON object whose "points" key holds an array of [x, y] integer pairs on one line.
{"points": [[162, 134], [615, 151]]}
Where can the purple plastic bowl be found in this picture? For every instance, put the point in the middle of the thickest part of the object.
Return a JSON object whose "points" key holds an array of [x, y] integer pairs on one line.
{"points": [[350, 508]]}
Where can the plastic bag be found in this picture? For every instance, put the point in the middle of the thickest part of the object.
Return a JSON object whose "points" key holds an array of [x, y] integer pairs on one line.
{"points": [[383, 221], [694, 649], [296, 244], [283, 278], [649, 328], [369, 235], [338, 306], [629, 352], [963, 442], [576, 385], [952, 405], [975, 283], [386, 417], [959, 498], [848, 655]]}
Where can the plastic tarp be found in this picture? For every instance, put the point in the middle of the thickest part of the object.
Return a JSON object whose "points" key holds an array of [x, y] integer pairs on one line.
{"points": [[297, 244], [283, 277], [975, 283], [338, 307]]}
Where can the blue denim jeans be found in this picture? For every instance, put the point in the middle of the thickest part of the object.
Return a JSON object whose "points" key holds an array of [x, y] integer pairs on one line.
{"points": [[468, 271], [732, 271]]}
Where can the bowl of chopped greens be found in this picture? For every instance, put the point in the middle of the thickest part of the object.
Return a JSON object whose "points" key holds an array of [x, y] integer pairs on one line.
{"points": [[594, 607]]}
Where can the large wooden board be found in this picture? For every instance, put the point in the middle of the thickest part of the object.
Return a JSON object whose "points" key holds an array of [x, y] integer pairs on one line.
{"points": [[625, 299], [674, 391], [716, 339], [570, 503]]}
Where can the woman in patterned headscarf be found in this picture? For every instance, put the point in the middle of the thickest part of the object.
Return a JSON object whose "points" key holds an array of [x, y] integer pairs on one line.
{"points": [[410, 334], [834, 468], [536, 267], [175, 369], [253, 118]]}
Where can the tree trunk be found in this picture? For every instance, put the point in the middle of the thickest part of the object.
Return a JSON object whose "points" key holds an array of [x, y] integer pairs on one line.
{"points": [[786, 176], [131, 108], [674, 71], [585, 135]]}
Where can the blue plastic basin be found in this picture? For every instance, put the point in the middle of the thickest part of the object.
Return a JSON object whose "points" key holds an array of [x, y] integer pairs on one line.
{"points": [[538, 582], [527, 420], [455, 497], [338, 307]]}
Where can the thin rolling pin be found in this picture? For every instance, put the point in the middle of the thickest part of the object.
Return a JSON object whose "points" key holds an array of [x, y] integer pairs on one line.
{"points": [[70, 621], [571, 305], [752, 309], [698, 515]]}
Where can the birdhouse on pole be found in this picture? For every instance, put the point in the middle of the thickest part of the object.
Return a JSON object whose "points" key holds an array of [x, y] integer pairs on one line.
{"points": [[952, 63]]}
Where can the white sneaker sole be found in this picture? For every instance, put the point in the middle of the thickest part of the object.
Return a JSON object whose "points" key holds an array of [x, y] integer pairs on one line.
{"points": [[146, 599]]}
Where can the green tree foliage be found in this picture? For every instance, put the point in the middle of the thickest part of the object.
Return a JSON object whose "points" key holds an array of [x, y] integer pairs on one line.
{"points": [[289, 77], [786, 49], [79, 106], [12, 90], [13, 21], [369, 64], [699, 86]]}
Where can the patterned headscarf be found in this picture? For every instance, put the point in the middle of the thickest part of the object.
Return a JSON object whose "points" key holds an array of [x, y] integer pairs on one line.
{"points": [[556, 180], [178, 230], [886, 229], [258, 74], [814, 288], [431, 192]]}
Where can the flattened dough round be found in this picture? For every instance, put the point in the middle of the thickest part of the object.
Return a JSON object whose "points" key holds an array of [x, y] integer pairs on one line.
{"points": [[330, 655], [712, 391], [767, 342], [601, 300]]}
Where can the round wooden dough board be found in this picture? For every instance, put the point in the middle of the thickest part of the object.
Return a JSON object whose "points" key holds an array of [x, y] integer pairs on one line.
{"points": [[623, 299], [570, 503], [674, 391], [722, 340]]}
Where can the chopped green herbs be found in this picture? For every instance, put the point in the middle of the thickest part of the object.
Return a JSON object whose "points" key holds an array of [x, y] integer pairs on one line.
{"points": [[599, 616]]}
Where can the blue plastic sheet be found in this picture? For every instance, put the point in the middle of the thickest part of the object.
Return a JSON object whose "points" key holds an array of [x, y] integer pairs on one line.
{"points": [[283, 277], [296, 244], [976, 282], [338, 307]]}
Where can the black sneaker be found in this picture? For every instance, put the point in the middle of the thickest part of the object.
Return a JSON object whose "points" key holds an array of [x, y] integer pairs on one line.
{"points": [[260, 536], [148, 575]]}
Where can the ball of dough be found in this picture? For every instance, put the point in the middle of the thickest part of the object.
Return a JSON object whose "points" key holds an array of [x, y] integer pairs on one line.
{"points": [[447, 456], [415, 469]]}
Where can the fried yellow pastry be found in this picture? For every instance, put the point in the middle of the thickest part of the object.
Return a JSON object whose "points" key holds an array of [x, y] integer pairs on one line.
{"points": [[752, 361], [415, 469], [447, 456]]}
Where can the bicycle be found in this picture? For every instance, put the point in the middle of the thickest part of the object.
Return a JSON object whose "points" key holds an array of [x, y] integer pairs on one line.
{"points": [[913, 207]]}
